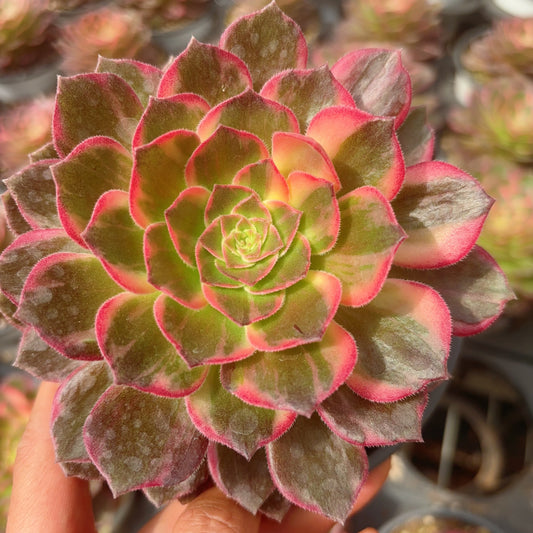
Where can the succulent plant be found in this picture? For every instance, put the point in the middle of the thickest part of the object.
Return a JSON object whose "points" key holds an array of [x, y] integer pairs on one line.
{"points": [[241, 270], [108, 31], [23, 129], [25, 28], [505, 49], [16, 398], [498, 119]]}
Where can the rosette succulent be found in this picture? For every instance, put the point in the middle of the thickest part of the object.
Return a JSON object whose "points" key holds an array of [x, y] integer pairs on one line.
{"points": [[242, 271]]}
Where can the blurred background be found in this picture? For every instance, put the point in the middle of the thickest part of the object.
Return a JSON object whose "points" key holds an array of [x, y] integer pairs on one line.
{"points": [[471, 64]]}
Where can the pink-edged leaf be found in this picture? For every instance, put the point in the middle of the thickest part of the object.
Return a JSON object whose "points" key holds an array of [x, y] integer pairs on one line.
{"points": [[403, 337], [377, 81], [23, 254], [250, 112], [201, 336], [166, 270], [142, 77], [212, 274], [268, 42], [357, 420], [185, 221], [442, 209], [7, 312], [151, 441], [221, 156], [82, 469], [224, 199], [368, 238], [309, 307], [207, 71], [315, 198], [158, 175], [306, 92], [247, 482], [60, 299], [97, 165], [34, 192], [297, 379], [275, 506], [42, 361], [264, 178], [290, 268], [416, 137], [179, 112], [117, 241], [95, 104], [46, 151], [189, 487], [15, 221], [475, 289], [138, 353], [286, 220], [364, 149], [292, 151], [226, 419], [73, 402], [242, 307], [317, 470]]}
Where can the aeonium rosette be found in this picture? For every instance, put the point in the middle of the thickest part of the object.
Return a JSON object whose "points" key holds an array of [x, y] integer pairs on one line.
{"points": [[242, 270]]}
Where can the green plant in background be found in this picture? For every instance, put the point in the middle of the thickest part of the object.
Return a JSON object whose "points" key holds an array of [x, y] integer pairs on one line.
{"points": [[108, 31], [242, 270], [25, 31], [23, 129], [506, 49]]}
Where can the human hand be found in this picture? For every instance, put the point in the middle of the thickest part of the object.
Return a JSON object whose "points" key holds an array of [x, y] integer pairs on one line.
{"points": [[44, 500]]}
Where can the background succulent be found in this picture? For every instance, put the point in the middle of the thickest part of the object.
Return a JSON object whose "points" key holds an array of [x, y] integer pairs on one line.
{"points": [[242, 270], [25, 32]]}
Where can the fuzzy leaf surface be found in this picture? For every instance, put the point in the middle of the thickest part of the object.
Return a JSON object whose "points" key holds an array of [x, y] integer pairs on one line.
{"points": [[416, 137]]}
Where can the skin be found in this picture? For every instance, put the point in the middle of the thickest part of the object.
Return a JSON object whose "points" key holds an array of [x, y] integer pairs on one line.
{"points": [[45, 500]]}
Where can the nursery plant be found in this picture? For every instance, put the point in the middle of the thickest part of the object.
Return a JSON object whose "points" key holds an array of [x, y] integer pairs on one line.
{"points": [[242, 271]]}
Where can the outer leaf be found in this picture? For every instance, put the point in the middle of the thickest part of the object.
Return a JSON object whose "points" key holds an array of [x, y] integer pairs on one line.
{"points": [[306, 92], [152, 442], [219, 158], [137, 351], [297, 379], [34, 192], [168, 272], [50, 302], [207, 71], [22, 255], [42, 361], [373, 424], [82, 469], [317, 470], [117, 241], [158, 175], [72, 404], [403, 337], [94, 104], [250, 112], [203, 336], [267, 41], [275, 506], [416, 137], [143, 78], [321, 218], [97, 165], [46, 151], [377, 81], [242, 307], [364, 149], [442, 209], [475, 289], [15, 221], [247, 482], [264, 178], [223, 418], [368, 238], [182, 111], [319, 294]]}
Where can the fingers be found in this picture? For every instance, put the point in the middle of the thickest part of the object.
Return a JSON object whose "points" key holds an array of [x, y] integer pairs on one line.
{"points": [[43, 498], [211, 512]]}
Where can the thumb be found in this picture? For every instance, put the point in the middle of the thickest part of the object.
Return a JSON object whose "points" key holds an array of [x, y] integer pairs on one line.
{"points": [[211, 512]]}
